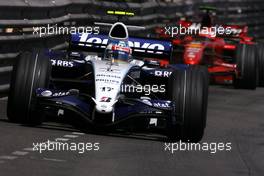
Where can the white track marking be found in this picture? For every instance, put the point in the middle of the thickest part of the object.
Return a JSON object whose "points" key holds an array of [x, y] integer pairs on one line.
{"points": [[54, 159], [7, 157], [153, 121], [70, 136], [26, 151], [78, 133], [61, 139], [19, 153]]}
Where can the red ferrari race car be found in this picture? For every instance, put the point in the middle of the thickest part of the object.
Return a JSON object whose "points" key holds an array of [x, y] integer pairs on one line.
{"points": [[229, 53]]}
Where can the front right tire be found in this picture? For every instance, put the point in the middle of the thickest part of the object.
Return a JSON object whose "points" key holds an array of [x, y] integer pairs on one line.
{"points": [[246, 77], [188, 89], [260, 52]]}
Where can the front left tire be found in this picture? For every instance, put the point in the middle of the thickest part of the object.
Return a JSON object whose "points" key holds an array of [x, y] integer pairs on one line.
{"points": [[31, 71]]}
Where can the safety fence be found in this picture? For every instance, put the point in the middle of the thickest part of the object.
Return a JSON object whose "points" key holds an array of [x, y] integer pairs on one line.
{"points": [[18, 17]]}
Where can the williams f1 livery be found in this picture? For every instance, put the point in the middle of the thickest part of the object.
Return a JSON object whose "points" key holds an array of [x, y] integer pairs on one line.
{"points": [[109, 82]]}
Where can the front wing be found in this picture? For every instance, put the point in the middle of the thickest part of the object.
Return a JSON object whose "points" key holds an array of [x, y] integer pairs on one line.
{"points": [[125, 109]]}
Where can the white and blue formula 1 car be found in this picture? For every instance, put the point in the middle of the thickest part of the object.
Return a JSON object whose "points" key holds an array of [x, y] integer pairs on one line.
{"points": [[111, 82]]}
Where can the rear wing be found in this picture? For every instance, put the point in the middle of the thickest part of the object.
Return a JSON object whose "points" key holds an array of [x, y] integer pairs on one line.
{"points": [[230, 31], [141, 47], [237, 31]]}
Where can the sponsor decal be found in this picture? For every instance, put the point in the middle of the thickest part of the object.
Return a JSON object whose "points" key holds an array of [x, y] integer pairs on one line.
{"points": [[46, 93], [147, 102], [106, 89], [146, 46], [61, 63], [235, 32], [109, 76], [112, 70], [105, 99], [58, 94], [161, 105], [121, 48], [107, 81], [195, 45], [160, 73], [139, 46]]}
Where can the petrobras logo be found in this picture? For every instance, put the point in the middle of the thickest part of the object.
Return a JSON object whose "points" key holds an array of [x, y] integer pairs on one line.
{"points": [[137, 44]]}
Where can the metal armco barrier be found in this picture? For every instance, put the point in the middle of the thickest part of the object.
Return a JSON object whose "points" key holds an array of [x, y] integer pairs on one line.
{"points": [[21, 15]]}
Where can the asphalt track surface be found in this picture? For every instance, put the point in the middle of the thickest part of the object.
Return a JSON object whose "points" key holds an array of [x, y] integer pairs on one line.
{"points": [[235, 116]]}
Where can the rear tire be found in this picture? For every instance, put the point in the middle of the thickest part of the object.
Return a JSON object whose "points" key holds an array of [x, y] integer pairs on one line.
{"points": [[246, 67], [260, 65], [177, 55], [189, 91], [31, 71]]}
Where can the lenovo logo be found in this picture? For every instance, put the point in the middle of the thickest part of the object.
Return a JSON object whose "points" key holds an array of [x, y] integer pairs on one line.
{"points": [[157, 48]]}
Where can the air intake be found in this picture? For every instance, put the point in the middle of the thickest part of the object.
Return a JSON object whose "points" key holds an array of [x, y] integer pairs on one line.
{"points": [[118, 31]]}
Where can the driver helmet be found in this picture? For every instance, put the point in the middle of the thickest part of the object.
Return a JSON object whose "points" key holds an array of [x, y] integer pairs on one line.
{"points": [[206, 20], [117, 52]]}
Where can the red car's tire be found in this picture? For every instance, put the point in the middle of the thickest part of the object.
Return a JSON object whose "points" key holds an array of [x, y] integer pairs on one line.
{"points": [[177, 55], [260, 52], [246, 67]]}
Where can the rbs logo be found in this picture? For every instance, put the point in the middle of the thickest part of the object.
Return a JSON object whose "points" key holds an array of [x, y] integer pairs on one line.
{"points": [[61, 63]]}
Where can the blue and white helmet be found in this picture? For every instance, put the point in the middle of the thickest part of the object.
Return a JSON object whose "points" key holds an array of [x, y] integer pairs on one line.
{"points": [[118, 50]]}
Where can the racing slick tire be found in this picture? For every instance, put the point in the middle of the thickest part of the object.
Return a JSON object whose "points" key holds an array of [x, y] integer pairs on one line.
{"points": [[246, 67], [260, 52], [189, 91], [31, 71], [177, 55]]}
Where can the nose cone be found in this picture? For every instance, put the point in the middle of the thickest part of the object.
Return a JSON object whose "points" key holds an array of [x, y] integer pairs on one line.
{"points": [[192, 60], [104, 108], [193, 54]]}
